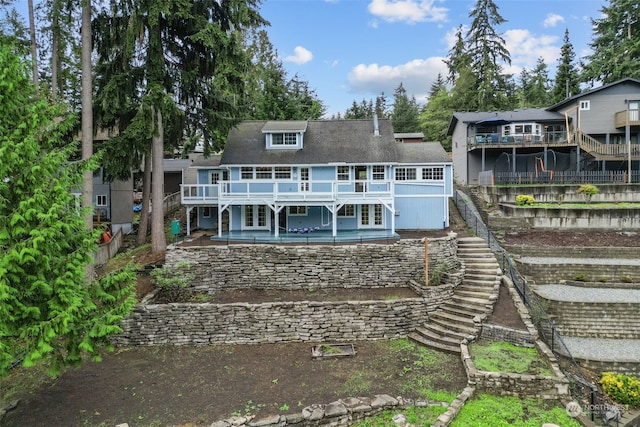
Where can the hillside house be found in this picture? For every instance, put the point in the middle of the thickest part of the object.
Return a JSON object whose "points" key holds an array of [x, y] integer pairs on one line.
{"points": [[594, 131], [338, 178]]}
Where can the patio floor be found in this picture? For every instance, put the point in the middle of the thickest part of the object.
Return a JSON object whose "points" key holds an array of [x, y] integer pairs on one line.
{"points": [[317, 236]]}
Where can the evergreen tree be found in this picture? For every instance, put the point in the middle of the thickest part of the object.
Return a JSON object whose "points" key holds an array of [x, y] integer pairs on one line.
{"points": [[380, 108], [487, 52], [458, 57], [615, 43], [405, 112], [437, 85], [302, 102], [49, 310], [435, 116], [567, 80], [169, 69], [364, 110], [534, 87]]}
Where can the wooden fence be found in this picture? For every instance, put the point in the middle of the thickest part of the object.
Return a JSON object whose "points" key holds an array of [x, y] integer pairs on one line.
{"points": [[108, 250]]}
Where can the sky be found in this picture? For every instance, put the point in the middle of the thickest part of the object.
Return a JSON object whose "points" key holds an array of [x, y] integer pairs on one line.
{"points": [[350, 50]]}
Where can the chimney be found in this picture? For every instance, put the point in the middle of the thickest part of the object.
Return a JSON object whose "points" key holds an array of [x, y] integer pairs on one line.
{"points": [[376, 126]]}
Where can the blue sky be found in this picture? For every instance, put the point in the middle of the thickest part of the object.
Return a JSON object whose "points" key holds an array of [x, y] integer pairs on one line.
{"points": [[356, 49]]}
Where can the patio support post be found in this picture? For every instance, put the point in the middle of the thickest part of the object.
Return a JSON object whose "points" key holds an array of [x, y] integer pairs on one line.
{"points": [[513, 165], [220, 221], [334, 225], [276, 218], [189, 221]]}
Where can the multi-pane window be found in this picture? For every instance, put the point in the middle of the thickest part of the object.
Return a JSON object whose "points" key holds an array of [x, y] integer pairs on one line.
{"points": [[405, 174], [585, 105], [101, 200], [282, 172], [347, 211], [378, 172], [284, 139], [246, 172], [264, 172], [297, 210], [433, 174], [343, 173]]}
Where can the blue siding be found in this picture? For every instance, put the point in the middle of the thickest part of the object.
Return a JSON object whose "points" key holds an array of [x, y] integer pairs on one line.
{"points": [[420, 213]]}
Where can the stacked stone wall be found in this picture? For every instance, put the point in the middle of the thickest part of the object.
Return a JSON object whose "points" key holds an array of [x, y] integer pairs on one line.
{"points": [[216, 268], [502, 333]]}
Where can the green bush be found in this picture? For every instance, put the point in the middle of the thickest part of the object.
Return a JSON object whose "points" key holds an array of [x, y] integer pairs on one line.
{"points": [[588, 189], [581, 277], [621, 388], [524, 200]]}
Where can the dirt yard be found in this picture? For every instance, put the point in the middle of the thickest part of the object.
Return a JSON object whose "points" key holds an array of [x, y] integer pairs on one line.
{"points": [[195, 386]]}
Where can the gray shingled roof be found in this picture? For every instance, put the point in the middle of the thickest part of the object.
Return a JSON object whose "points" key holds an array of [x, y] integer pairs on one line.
{"points": [[325, 141], [519, 115]]}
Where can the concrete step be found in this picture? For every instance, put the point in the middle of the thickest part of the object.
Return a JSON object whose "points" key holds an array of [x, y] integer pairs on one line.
{"points": [[468, 301], [438, 336], [452, 322], [444, 331], [479, 285], [433, 344], [487, 277], [462, 310], [473, 294]]}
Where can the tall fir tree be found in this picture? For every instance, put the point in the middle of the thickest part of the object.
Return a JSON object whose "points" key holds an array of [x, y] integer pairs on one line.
{"points": [[50, 311], [567, 80], [405, 111], [487, 52], [435, 116], [615, 44], [533, 89], [457, 59]]}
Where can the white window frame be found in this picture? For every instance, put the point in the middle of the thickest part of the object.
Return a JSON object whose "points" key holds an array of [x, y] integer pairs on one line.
{"points": [[378, 172], [284, 140], [298, 210], [347, 211], [264, 172], [245, 171], [406, 174], [255, 217], [101, 200], [435, 173], [282, 172], [343, 173], [206, 212], [585, 105]]}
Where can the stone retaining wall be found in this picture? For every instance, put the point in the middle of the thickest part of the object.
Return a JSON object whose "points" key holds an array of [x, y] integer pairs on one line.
{"points": [[609, 193], [502, 333], [595, 320], [575, 218], [520, 385], [316, 266], [571, 252], [242, 323], [555, 273]]}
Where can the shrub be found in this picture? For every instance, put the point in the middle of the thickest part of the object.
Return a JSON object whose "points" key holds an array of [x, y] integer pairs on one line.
{"points": [[174, 283], [621, 388], [524, 200], [581, 277], [588, 190]]}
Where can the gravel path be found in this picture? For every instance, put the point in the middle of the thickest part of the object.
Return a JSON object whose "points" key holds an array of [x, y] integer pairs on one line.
{"points": [[588, 261], [603, 349]]}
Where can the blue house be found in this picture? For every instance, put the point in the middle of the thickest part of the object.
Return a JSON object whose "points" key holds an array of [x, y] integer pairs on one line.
{"points": [[336, 178]]}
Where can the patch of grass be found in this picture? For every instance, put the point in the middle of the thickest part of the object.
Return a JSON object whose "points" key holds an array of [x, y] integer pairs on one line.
{"points": [[415, 417], [486, 410], [356, 385], [501, 356]]}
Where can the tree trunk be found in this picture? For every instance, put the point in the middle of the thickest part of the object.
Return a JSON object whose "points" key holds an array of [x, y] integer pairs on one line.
{"points": [[34, 46], [55, 59], [158, 238], [87, 120], [146, 191]]}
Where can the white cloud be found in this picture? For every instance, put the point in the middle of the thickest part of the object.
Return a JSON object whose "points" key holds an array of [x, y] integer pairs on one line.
{"points": [[416, 76], [300, 56], [552, 20], [409, 11], [525, 49]]}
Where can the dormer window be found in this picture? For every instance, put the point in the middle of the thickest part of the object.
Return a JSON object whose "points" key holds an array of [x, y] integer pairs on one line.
{"points": [[284, 139], [284, 135]]}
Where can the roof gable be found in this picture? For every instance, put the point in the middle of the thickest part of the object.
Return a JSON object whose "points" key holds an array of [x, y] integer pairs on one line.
{"points": [[609, 86]]}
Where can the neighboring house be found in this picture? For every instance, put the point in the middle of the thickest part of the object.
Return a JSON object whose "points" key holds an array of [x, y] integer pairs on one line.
{"points": [[320, 175], [596, 130], [113, 202], [174, 171], [409, 137]]}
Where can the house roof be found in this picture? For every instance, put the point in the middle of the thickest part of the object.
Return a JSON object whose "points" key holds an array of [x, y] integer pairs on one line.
{"points": [[284, 126], [519, 115], [409, 135], [325, 141], [572, 99], [207, 162]]}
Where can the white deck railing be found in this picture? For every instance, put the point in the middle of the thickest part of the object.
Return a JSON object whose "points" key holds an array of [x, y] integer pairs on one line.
{"points": [[284, 191]]}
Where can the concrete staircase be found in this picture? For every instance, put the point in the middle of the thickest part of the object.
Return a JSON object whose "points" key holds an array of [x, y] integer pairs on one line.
{"points": [[471, 303]]}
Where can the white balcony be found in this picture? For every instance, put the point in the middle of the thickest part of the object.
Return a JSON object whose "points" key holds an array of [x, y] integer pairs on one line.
{"points": [[289, 192]]}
